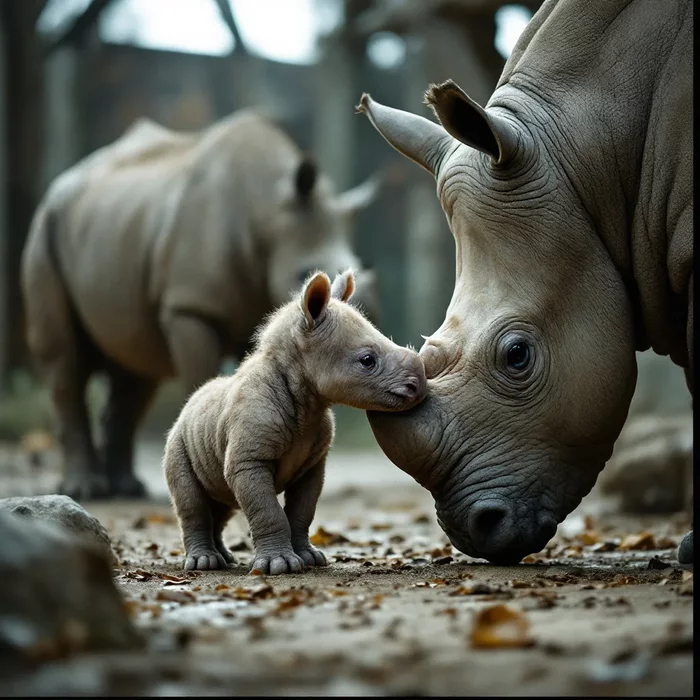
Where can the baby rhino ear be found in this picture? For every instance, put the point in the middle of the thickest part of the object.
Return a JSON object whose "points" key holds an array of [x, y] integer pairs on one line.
{"points": [[343, 285], [315, 297]]}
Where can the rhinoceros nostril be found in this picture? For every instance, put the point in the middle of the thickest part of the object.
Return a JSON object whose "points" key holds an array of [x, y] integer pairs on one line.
{"points": [[487, 520]]}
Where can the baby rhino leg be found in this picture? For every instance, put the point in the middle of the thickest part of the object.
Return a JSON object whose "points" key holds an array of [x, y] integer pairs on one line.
{"points": [[221, 514], [300, 506], [253, 485], [194, 508]]}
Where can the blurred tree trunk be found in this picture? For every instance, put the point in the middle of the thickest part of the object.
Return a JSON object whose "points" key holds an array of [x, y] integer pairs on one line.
{"points": [[438, 50], [4, 263], [23, 140], [337, 92], [62, 113]]}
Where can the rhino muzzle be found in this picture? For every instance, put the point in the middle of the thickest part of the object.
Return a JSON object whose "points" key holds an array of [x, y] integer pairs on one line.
{"points": [[492, 529]]}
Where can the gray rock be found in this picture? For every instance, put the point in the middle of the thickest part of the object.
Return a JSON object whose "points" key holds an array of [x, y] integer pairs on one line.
{"points": [[64, 511], [57, 596], [685, 551], [651, 469]]}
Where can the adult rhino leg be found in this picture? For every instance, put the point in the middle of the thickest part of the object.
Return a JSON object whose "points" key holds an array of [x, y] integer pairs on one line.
{"points": [[195, 347], [129, 397], [83, 475]]}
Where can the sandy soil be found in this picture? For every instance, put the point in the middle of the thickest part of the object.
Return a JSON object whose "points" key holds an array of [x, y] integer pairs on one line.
{"points": [[397, 611]]}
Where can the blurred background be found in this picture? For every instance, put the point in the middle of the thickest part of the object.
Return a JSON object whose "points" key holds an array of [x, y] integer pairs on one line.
{"points": [[75, 74]]}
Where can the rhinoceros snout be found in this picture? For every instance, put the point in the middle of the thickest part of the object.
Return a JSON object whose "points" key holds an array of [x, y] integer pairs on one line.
{"points": [[494, 532]]}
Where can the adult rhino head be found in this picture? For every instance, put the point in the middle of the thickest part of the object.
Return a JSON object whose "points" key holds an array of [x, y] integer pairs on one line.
{"points": [[532, 371], [311, 229]]}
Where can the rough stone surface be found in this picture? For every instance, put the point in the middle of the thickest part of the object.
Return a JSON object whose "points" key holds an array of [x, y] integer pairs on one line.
{"points": [[651, 470], [685, 551], [63, 511], [57, 596]]}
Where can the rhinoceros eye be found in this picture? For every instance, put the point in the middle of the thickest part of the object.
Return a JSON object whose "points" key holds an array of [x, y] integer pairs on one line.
{"points": [[518, 355], [368, 360]]}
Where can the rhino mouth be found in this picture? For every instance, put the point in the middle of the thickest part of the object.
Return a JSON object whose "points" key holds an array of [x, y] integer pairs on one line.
{"points": [[509, 551]]}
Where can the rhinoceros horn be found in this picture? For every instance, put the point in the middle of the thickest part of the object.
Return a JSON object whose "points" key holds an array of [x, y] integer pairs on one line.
{"points": [[461, 121]]}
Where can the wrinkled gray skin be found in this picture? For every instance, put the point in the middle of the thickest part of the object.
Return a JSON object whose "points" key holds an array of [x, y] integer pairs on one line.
{"points": [[570, 201], [156, 257], [241, 440]]}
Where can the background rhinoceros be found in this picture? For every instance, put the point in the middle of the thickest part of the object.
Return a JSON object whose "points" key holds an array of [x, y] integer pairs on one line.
{"points": [[158, 255], [570, 199]]}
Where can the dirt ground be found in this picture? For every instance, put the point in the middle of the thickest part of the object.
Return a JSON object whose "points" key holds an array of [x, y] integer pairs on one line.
{"points": [[604, 610]]}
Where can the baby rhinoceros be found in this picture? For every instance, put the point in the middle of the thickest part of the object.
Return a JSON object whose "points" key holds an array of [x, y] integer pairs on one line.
{"points": [[242, 439]]}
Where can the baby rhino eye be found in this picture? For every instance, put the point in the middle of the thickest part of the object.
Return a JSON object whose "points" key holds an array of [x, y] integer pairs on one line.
{"points": [[518, 355], [368, 360]]}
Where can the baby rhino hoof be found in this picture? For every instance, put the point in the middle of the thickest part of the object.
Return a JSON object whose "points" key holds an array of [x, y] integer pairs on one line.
{"points": [[284, 563], [205, 561], [311, 556]]}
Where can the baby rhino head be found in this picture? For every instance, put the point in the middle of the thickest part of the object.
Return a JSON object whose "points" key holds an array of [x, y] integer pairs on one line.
{"points": [[347, 358]]}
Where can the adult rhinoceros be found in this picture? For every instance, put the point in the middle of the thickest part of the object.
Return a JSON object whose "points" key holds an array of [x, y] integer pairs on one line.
{"points": [[158, 255], [570, 199]]}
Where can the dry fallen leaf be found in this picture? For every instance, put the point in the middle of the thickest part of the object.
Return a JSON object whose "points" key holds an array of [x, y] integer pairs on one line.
{"points": [[175, 596], [605, 546], [291, 599], [323, 538], [139, 575], [622, 580], [588, 538], [642, 541], [153, 519], [500, 626], [520, 584], [476, 589], [336, 592], [173, 579]]}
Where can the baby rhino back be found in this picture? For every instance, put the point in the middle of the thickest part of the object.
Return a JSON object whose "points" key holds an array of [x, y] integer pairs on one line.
{"points": [[202, 431]]}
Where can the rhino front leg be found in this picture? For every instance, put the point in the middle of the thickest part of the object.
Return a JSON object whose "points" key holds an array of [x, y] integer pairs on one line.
{"points": [[194, 346], [253, 485], [300, 501], [129, 398]]}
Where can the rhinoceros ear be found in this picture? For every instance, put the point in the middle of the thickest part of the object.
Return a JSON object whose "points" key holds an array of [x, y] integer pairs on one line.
{"points": [[315, 297], [343, 285], [470, 123], [305, 177]]}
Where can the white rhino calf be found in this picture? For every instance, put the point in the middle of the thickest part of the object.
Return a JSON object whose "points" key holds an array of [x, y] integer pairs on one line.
{"points": [[158, 255], [570, 199], [241, 440]]}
